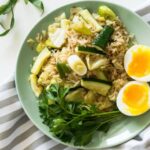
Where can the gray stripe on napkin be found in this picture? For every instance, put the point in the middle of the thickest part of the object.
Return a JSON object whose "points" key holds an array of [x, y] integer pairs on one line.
{"points": [[38, 142], [7, 86], [11, 116], [8, 101], [20, 122], [58, 147], [21, 138], [144, 11]]}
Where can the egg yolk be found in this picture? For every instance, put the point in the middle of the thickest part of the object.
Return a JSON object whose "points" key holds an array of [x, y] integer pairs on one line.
{"points": [[136, 98], [140, 63]]}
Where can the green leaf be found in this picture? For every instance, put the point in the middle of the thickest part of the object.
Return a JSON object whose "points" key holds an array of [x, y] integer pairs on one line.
{"points": [[6, 8], [9, 6], [11, 25], [37, 3], [69, 121], [26, 1], [83, 138]]}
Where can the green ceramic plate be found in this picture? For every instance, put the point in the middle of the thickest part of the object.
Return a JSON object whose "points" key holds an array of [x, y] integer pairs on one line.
{"points": [[120, 132]]}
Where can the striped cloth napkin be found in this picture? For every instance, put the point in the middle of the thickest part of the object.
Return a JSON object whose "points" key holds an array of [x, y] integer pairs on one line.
{"points": [[17, 132]]}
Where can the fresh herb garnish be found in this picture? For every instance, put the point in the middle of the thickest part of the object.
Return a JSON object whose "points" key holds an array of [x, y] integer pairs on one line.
{"points": [[8, 7], [76, 122], [36, 3]]}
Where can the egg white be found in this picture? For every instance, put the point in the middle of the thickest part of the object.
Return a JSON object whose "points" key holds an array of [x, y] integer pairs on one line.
{"points": [[128, 60], [122, 106]]}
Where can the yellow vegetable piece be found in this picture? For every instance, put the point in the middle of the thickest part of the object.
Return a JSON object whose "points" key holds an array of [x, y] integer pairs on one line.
{"points": [[97, 63], [42, 57], [40, 47], [81, 28], [60, 17], [48, 43], [90, 19], [53, 27], [35, 87], [90, 97], [106, 12], [76, 96], [65, 24]]}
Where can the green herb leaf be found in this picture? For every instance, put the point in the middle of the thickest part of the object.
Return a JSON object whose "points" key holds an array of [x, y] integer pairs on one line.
{"points": [[37, 3], [70, 121], [11, 25], [5, 9], [9, 6]]}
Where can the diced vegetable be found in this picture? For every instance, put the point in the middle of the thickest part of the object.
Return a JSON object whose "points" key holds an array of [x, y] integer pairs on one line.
{"points": [[95, 63], [58, 38], [100, 86], [42, 57], [76, 95], [59, 18], [40, 47], [35, 87], [63, 69], [48, 43], [90, 20], [100, 75], [43, 77], [106, 12], [89, 50], [90, 97], [80, 26], [65, 24], [53, 27], [77, 65], [104, 36], [75, 11]]}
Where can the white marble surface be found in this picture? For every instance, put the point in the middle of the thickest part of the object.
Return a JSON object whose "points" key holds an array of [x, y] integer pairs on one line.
{"points": [[26, 16]]}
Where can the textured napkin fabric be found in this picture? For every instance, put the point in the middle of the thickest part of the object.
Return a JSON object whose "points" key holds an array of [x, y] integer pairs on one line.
{"points": [[17, 132]]}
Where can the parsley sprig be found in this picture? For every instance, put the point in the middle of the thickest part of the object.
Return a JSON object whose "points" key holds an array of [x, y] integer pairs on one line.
{"points": [[76, 122], [8, 7]]}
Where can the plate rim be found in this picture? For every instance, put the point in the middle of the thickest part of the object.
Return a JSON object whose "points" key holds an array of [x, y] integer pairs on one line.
{"points": [[17, 84]]}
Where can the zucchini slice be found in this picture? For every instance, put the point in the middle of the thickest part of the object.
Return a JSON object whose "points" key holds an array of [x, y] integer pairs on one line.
{"points": [[42, 57], [63, 69], [86, 15], [90, 97], [35, 87], [95, 63], [89, 50], [80, 26], [100, 75], [76, 95], [103, 38], [100, 86], [106, 12]]}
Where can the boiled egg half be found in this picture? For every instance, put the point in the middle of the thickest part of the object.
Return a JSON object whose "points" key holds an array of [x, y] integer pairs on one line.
{"points": [[137, 62], [134, 98]]}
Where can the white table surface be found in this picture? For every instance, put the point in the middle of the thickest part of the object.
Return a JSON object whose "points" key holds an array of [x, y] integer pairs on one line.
{"points": [[26, 16]]}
